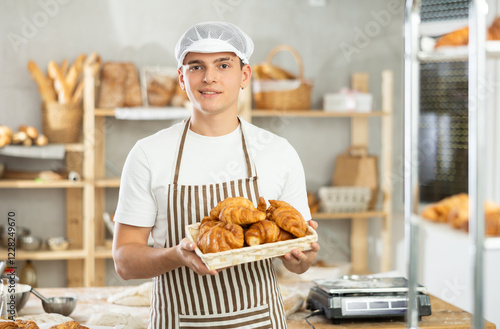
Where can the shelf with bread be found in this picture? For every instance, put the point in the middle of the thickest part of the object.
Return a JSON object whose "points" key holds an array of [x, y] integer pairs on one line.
{"points": [[453, 46], [63, 138], [359, 136]]}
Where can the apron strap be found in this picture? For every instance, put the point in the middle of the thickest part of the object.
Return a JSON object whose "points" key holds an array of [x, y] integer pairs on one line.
{"points": [[251, 171]]}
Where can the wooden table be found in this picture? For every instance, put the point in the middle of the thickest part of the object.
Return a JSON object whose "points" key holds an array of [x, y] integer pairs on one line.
{"points": [[94, 300], [444, 315]]}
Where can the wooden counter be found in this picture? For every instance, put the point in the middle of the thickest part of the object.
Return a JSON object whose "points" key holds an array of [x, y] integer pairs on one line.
{"points": [[444, 315], [94, 300]]}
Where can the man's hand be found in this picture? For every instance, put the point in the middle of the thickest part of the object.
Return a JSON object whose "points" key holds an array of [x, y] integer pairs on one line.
{"points": [[185, 252], [297, 261]]}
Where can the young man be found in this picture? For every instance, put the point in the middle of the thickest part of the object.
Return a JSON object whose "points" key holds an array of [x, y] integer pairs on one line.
{"points": [[174, 177]]}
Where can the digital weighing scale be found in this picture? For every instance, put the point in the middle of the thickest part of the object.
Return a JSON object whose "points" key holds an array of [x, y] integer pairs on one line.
{"points": [[364, 297]]}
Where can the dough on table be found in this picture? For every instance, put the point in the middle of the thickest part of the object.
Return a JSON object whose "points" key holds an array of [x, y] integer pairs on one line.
{"points": [[134, 296]]}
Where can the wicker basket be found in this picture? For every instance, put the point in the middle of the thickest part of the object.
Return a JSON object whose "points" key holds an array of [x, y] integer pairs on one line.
{"points": [[344, 199], [62, 123], [249, 254], [283, 94]]}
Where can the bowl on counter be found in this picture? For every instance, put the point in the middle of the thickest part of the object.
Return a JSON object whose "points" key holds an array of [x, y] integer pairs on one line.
{"points": [[58, 243], [5, 235], [60, 305], [21, 295], [31, 243]]}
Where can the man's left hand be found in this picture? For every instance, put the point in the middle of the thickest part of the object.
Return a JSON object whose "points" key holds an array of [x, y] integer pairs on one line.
{"points": [[298, 261]]}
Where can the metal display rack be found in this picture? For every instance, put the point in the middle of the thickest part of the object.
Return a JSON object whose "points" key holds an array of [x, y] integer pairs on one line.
{"points": [[476, 55]]}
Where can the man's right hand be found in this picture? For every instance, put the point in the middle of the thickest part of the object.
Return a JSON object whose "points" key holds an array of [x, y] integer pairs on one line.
{"points": [[185, 250]]}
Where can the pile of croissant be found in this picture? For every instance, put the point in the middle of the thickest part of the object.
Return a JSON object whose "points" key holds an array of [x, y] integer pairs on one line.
{"points": [[28, 324], [236, 222], [460, 37], [454, 210]]}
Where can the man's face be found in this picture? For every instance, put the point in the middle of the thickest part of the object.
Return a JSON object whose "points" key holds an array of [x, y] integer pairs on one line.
{"points": [[213, 81]]}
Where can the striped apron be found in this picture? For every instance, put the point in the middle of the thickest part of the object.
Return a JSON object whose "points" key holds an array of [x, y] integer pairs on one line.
{"points": [[242, 296]]}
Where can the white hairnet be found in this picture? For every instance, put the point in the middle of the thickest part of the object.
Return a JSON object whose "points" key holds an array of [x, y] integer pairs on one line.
{"points": [[214, 37]]}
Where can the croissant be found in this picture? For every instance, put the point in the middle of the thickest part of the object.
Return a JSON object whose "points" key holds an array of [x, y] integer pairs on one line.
{"points": [[265, 231], [439, 211], [206, 225], [233, 201], [289, 218], [8, 325], [262, 205], [221, 238], [69, 325], [26, 324], [241, 215]]}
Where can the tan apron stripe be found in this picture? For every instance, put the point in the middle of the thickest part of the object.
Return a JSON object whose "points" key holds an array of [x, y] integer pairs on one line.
{"points": [[231, 281], [227, 291], [233, 189], [225, 191], [174, 289], [271, 295], [206, 205], [216, 293], [164, 302], [259, 321], [249, 192], [207, 306], [270, 289], [198, 216], [218, 193], [228, 317], [238, 287], [277, 298], [256, 295], [179, 152], [247, 158]]}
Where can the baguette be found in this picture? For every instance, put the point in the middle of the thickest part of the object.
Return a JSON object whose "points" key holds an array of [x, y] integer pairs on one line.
{"points": [[78, 94], [64, 67], [44, 85], [74, 73], [60, 85]]}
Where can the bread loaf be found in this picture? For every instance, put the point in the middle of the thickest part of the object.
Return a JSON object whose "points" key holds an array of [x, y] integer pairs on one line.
{"points": [[112, 91]]}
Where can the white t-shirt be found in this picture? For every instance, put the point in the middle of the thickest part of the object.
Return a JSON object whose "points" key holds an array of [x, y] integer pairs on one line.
{"points": [[150, 167]]}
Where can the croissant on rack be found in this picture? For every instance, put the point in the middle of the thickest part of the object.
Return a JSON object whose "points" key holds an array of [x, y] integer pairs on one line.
{"points": [[265, 231], [241, 215], [439, 211], [454, 210], [460, 37], [220, 237], [288, 218]]}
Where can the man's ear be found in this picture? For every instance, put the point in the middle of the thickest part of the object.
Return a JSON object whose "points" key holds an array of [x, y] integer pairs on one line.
{"points": [[247, 75], [181, 78]]}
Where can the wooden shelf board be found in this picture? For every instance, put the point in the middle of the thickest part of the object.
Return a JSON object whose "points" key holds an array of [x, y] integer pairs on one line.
{"points": [[364, 214], [45, 254], [104, 112], [103, 252], [108, 182], [12, 183], [76, 147], [315, 114]]}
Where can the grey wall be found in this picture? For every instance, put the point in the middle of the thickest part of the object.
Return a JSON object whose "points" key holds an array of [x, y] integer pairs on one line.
{"points": [[370, 32]]}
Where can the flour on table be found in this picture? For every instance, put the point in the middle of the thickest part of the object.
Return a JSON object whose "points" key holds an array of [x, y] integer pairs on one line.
{"points": [[134, 296]]}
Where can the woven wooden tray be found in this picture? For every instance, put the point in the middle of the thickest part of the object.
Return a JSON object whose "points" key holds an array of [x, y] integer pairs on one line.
{"points": [[250, 254]]}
